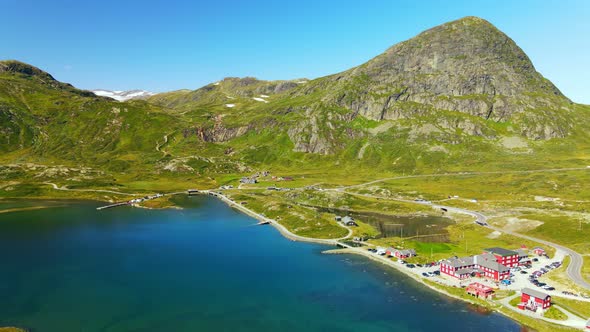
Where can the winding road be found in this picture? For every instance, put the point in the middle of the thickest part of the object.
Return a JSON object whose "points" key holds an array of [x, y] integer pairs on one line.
{"points": [[574, 269]]}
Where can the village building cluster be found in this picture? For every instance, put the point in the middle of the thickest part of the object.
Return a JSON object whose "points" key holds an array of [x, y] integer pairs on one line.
{"points": [[493, 263], [496, 264]]}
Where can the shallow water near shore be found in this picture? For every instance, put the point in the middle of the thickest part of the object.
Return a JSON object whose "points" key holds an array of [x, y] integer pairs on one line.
{"points": [[206, 267]]}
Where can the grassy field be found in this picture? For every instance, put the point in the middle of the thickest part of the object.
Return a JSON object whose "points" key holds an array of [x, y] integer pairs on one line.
{"points": [[580, 308], [298, 219], [554, 313]]}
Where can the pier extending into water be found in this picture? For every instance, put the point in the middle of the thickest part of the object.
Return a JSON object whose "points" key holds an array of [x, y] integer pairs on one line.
{"points": [[112, 205]]}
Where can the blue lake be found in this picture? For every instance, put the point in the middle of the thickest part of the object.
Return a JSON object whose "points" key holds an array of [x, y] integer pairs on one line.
{"points": [[206, 267]]}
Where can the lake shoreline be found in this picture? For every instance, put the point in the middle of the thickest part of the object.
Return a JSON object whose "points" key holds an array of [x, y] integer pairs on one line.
{"points": [[355, 251], [334, 242]]}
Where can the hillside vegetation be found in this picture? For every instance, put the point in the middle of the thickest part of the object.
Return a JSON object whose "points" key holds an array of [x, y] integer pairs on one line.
{"points": [[460, 97]]}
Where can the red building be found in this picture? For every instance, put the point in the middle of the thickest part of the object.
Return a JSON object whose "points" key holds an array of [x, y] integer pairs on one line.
{"points": [[480, 290], [461, 268], [490, 268], [404, 253], [503, 256], [533, 300], [484, 265]]}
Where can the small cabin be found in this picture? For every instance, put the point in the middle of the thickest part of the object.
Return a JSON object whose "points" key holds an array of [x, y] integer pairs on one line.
{"points": [[480, 290], [534, 300], [404, 253]]}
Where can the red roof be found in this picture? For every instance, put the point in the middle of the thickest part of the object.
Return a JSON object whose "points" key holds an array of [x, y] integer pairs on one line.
{"points": [[480, 287]]}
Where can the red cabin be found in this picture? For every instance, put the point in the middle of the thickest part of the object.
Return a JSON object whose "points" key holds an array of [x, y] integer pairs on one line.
{"points": [[532, 300], [480, 290], [404, 253]]}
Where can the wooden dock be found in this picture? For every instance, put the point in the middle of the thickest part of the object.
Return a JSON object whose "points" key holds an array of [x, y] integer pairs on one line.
{"points": [[112, 205]]}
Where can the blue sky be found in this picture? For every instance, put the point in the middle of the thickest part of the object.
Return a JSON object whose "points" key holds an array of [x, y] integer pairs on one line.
{"points": [[166, 45]]}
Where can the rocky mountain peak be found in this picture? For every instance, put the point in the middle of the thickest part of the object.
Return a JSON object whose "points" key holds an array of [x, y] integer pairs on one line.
{"points": [[467, 66]]}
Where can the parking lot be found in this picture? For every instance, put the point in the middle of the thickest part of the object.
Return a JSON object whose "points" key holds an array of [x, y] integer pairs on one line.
{"points": [[520, 277]]}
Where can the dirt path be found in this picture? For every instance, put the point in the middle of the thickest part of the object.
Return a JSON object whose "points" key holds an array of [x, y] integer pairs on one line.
{"points": [[160, 146]]}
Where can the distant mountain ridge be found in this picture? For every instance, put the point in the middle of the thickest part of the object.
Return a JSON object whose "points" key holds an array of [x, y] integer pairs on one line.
{"points": [[123, 95], [457, 94]]}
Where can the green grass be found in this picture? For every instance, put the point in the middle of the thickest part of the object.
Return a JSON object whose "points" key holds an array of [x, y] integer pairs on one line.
{"points": [[300, 220], [515, 301], [528, 322], [579, 308], [554, 313], [465, 239]]}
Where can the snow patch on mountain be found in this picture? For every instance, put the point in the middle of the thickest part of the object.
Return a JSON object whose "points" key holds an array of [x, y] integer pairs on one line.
{"points": [[123, 95]]}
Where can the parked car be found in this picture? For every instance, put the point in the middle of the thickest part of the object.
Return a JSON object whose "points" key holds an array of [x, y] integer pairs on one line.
{"points": [[425, 274], [411, 266], [523, 272]]}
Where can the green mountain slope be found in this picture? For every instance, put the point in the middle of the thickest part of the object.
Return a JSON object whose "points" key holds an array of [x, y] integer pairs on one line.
{"points": [[461, 95]]}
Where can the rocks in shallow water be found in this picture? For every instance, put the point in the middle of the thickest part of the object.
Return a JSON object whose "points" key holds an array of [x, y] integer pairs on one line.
{"points": [[12, 329]]}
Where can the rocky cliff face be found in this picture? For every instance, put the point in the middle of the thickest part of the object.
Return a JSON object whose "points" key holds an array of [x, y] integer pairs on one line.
{"points": [[468, 66]]}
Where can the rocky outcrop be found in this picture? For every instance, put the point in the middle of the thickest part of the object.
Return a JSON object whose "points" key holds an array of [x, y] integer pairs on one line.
{"points": [[467, 66], [218, 133]]}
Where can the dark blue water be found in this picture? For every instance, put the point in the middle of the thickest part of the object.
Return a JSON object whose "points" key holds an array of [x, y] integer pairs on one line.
{"points": [[204, 268]]}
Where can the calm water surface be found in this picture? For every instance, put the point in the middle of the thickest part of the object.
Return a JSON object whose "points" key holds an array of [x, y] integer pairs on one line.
{"points": [[203, 268]]}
